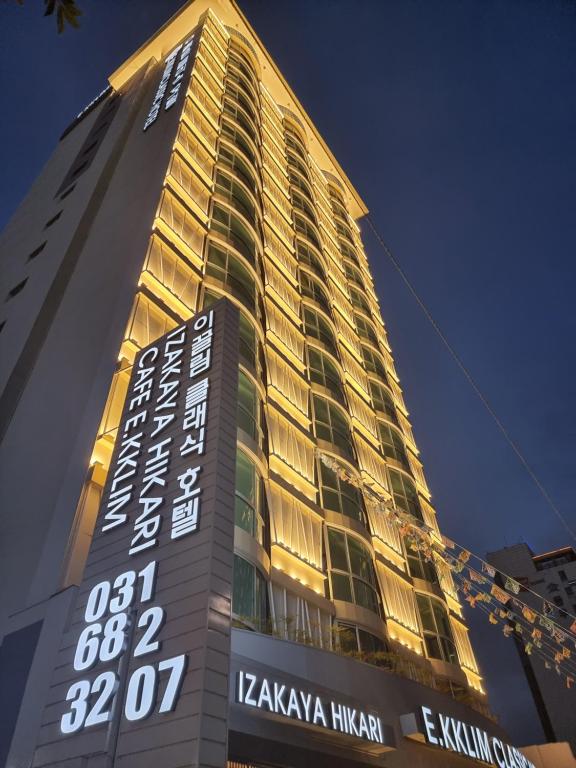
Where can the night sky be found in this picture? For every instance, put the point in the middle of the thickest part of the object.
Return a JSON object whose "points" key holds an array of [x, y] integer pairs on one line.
{"points": [[456, 121]]}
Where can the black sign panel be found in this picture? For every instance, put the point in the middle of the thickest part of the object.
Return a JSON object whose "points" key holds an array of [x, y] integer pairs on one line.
{"points": [[142, 676]]}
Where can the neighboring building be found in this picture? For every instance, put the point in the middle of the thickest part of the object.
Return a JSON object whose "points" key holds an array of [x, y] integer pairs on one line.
{"points": [[197, 175], [553, 576]]}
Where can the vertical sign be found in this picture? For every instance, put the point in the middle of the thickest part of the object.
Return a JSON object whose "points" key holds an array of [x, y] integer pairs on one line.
{"points": [[142, 675]]}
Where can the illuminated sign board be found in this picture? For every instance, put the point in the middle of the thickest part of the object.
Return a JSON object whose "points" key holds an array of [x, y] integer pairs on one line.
{"points": [[175, 67], [287, 701], [449, 733], [160, 561]]}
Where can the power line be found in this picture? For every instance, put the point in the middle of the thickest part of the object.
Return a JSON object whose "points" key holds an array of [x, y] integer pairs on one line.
{"points": [[471, 380]]}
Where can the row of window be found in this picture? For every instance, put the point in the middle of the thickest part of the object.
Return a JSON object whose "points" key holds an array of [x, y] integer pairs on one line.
{"points": [[352, 579]]}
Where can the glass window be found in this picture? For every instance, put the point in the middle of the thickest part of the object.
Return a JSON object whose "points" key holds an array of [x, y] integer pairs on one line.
{"points": [[307, 256], [331, 424], [437, 629], [366, 329], [354, 640], [296, 145], [373, 363], [317, 327], [392, 444], [312, 289], [344, 231], [418, 566], [299, 202], [382, 400], [352, 573], [359, 300], [228, 269], [230, 226], [324, 372], [236, 196], [405, 494], [338, 495], [303, 227], [238, 166], [348, 252], [249, 408], [353, 275], [237, 110], [236, 137], [249, 497], [296, 162], [249, 603], [298, 182]]}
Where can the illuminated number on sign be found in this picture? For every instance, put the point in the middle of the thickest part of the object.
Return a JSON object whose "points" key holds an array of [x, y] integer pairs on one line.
{"points": [[141, 694], [87, 648], [97, 604], [114, 640], [152, 619], [124, 584], [78, 696], [100, 600], [148, 576], [177, 665], [143, 688], [105, 686]]}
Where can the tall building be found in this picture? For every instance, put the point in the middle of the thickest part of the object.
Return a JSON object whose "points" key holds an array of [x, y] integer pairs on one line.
{"points": [[196, 175], [551, 578]]}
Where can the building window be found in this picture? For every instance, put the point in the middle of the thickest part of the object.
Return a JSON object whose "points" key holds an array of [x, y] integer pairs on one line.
{"points": [[239, 108], [392, 444], [240, 169], [405, 494], [437, 630], [382, 400], [348, 252], [306, 229], [317, 327], [236, 196], [301, 204], [344, 232], [352, 573], [249, 409], [312, 289], [324, 372], [354, 640], [365, 329], [53, 220], [418, 566], [37, 251], [307, 256], [373, 363], [228, 269], [353, 275], [16, 290], [331, 424], [229, 226], [338, 495], [249, 501], [359, 300], [249, 595], [298, 182], [233, 135], [295, 162]]}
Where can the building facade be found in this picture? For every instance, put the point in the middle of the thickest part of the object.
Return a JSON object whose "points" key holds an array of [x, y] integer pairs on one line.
{"points": [[196, 175], [552, 576]]}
